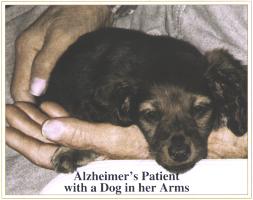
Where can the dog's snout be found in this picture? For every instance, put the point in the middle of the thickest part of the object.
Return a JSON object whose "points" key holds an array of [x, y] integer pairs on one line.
{"points": [[179, 151]]}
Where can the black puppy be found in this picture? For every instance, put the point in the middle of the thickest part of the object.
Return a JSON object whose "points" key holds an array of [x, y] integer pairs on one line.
{"points": [[176, 95]]}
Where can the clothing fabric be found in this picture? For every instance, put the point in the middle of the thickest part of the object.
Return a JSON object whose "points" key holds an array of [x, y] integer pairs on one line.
{"points": [[205, 26]]}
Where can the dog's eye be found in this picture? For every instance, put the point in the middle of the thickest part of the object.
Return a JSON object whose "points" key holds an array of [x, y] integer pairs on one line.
{"points": [[199, 110], [152, 116]]}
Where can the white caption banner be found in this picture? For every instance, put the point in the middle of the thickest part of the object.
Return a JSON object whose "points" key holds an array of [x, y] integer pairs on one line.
{"points": [[228, 176]]}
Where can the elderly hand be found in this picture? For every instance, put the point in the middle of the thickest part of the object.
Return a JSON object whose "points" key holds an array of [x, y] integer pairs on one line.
{"points": [[26, 122], [222, 143], [39, 47]]}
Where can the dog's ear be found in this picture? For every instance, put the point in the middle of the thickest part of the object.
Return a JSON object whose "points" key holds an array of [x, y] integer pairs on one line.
{"points": [[227, 80], [119, 96]]}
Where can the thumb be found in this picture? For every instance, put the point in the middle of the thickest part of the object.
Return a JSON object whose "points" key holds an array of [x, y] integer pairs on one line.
{"points": [[110, 140], [55, 45], [69, 132]]}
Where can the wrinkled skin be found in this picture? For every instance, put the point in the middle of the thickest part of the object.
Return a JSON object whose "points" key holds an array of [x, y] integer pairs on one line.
{"points": [[40, 45], [221, 143]]}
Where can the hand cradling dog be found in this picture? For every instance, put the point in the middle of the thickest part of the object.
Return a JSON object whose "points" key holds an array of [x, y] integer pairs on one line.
{"points": [[165, 86]]}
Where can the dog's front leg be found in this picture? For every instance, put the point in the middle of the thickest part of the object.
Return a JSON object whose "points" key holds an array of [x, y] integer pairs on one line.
{"points": [[66, 160]]}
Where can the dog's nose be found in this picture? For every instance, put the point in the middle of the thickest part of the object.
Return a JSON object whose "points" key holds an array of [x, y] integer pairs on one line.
{"points": [[177, 140], [179, 151]]}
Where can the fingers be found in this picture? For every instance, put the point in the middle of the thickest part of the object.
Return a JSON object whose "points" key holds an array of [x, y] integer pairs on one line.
{"points": [[22, 122], [27, 47], [62, 31], [53, 109], [57, 42], [33, 112], [58, 129], [37, 152], [40, 46], [115, 141], [25, 134], [224, 144], [28, 119]]}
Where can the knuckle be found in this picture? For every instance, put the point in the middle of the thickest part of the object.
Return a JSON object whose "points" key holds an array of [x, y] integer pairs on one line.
{"points": [[77, 138], [29, 40], [23, 40], [10, 115], [18, 94], [62, 33], [21, 95], [35, 156], [14, 92], [37, 161]]}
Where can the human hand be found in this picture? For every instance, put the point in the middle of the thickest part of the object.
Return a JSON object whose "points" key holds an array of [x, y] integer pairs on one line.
{"points": [[222, 143], [24, 134], [26, 121], [39, 47]]}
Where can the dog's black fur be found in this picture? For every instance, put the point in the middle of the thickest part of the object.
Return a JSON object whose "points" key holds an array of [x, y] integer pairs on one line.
{"points": [[176, 95]]}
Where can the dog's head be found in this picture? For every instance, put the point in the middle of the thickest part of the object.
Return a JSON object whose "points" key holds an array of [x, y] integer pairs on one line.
{"points": [[176, 119], [177, 123]]}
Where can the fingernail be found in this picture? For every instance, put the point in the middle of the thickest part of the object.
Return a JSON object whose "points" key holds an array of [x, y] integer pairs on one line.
{"points": [[53, 129], [38, 86]]}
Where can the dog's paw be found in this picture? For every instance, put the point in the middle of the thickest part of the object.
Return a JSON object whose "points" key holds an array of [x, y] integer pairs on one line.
{"points": [[64, 161]]}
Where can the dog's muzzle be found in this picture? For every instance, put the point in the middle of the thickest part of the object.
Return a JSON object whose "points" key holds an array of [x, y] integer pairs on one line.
{"points": [[179, 150]]}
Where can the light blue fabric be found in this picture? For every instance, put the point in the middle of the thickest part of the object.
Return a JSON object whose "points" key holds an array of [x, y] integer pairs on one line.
{"points": [[207, 27]]}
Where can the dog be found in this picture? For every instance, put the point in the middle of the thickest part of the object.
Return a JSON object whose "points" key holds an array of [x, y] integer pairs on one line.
{"points": [[165, 86]]}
